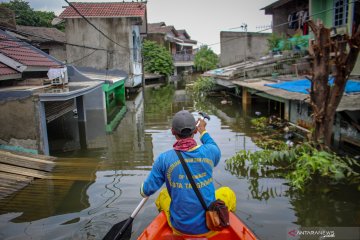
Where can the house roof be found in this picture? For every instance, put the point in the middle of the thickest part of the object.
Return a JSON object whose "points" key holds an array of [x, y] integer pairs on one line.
{"points": [[5, 70], [105, 9], [179, 35], [349, 102], [43, 32], [156, 25], [16, 52], [276, 4], [183, 34], [85, 74], [269, 9], [162, 29]]}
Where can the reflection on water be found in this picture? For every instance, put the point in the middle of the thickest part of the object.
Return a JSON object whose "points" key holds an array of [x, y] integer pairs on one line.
{"points": [[96, 187]]}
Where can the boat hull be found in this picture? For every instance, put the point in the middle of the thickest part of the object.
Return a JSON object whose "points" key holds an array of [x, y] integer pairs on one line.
{"points": [[160, 230]]}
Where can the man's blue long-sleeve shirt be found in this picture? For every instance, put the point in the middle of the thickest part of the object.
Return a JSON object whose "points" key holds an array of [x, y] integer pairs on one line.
{"points": [[186, 212]]}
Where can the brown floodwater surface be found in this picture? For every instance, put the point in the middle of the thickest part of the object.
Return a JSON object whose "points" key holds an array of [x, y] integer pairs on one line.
{"points": [[97, 187]]}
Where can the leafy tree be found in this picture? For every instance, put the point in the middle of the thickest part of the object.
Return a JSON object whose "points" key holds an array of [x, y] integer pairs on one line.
{"points": [[27, 16], [205, 59], [157, 59]]}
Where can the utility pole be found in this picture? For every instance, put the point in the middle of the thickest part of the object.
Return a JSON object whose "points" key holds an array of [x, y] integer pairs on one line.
{"points": [[244, 27]]}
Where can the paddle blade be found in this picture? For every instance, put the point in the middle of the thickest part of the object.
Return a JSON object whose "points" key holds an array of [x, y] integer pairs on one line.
{"points": [[120, 231]]}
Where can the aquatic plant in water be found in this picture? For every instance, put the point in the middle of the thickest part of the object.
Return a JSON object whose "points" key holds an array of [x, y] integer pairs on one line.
{"points": [[202, 85], [300, 165], [259, 123]]}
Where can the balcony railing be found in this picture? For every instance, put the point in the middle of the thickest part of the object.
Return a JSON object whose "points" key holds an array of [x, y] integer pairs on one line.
{"points": [[183, 57]]}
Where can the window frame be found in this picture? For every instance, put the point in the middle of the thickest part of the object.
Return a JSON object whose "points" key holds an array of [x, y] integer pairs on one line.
{"points": [[340, 21]]}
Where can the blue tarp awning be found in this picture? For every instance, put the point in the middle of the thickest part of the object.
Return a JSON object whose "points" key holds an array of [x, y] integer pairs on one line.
{"points": [[301, 86]]}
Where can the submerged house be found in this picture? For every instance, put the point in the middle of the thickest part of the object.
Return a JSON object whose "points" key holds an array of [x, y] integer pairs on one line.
{"points": [[113, 90], [178, 42], [286, 93], [37, 100], [49, 40], [114, 30], [292, 93]]}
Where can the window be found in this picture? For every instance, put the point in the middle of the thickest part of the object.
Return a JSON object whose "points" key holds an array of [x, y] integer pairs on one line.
{"points": [[341, 10], [135, 47]]}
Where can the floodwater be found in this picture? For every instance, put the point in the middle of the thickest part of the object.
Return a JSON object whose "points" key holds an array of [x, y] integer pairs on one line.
{"points": [[95, 188]]}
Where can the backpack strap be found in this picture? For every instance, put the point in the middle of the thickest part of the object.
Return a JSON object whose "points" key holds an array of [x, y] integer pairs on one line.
{"points": [[192, 182]]}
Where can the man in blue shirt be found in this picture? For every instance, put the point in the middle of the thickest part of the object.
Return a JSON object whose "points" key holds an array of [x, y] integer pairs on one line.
{"points": [[179, 201]]}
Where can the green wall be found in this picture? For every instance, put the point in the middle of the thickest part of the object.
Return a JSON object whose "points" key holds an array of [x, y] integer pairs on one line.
{"points": [[318, 6], [115, 103]]}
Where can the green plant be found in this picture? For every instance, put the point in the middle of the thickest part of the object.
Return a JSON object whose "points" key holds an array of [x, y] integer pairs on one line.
{"points": [[259, 123], [27, 16], [287, 45], [311, 162], [273, 41], [157, 59], [205, 59], [203, 85], [300, 165]]}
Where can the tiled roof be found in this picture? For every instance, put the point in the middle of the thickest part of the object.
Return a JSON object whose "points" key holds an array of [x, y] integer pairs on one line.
{"points": [[106, 9], [5, 70], [44, 32], [24, 53]]}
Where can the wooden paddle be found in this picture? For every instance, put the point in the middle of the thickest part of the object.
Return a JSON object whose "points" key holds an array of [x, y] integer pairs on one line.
{"points": [[122, 230]]}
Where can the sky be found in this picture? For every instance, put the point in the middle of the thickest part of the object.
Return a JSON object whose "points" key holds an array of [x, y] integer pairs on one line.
{"points": [[202, 19]]}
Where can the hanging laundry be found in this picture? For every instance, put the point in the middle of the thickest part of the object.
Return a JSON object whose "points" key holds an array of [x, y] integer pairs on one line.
{"points": [[298, 20], [299, 16], [290, 21], [56, 73], [294, 22], [305, 28]]}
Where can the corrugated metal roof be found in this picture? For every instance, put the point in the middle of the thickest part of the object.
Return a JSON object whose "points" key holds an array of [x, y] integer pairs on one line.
{"points": [[183, 34], [106, 9], [349, 102], [24, 53], [276, 4], [162, 29]]}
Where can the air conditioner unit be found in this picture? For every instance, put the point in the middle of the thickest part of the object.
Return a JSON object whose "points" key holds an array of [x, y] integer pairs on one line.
{"points": [[58, 76]]}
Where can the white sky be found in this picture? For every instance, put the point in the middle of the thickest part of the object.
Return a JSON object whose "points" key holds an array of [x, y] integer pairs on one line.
{"points": [[202, 19]]}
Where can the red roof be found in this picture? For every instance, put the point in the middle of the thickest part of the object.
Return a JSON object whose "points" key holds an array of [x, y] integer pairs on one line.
{"points": [[105, 9], [24, 53], [5, 70]]}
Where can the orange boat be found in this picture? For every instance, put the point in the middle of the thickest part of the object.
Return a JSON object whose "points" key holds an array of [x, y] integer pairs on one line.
{"points": [[160, 230]]}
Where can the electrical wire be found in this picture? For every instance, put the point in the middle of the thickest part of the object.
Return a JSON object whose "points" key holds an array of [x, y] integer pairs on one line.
{"points": [[88, 21], [78, 60], [281, 24], [49, 39]]}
